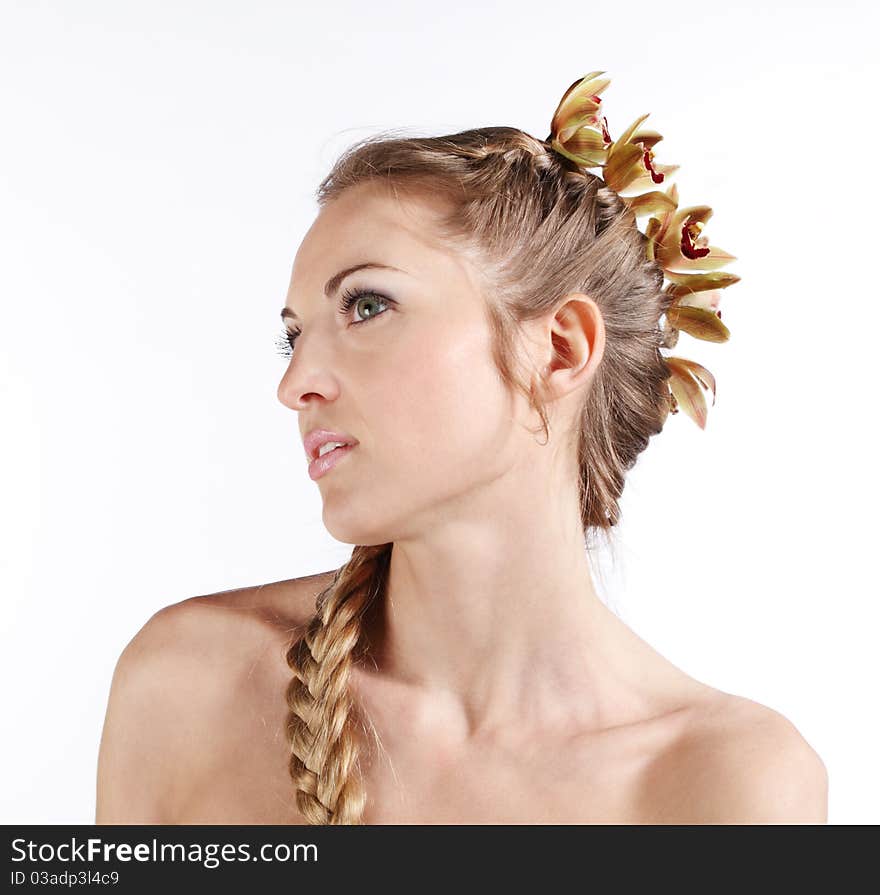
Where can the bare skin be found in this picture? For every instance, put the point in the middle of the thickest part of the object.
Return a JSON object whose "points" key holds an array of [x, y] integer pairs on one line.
{"points": [[194, 735], [502, 689]]}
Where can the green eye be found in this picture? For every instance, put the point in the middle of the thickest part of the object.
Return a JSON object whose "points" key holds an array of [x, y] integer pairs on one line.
{"points": [[350, 299], [287, 339]]}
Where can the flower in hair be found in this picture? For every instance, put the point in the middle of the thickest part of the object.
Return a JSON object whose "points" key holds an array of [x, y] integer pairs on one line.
{"points": [[579, 131]]}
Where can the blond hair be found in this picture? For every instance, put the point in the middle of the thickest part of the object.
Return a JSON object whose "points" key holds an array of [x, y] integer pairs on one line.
{"points": [[539, 228]]}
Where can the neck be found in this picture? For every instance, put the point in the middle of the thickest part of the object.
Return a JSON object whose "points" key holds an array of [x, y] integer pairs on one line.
{"points": [[496, 621]]}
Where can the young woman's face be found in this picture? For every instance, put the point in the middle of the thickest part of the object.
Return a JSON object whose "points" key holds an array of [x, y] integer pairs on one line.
{"points": [[407, 371]]}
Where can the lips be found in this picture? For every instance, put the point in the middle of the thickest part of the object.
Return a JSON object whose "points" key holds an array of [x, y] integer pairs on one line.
{"points": [[317, 437], [323, 464]]}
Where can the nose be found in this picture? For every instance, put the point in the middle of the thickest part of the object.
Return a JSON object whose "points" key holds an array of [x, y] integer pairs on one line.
{"points": [[303, 383]]}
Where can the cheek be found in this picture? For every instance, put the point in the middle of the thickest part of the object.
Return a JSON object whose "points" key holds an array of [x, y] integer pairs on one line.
{"points": [[443, 407]]}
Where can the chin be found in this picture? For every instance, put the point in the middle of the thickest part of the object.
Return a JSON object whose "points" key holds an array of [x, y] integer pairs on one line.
{"points": [[347, 527]]}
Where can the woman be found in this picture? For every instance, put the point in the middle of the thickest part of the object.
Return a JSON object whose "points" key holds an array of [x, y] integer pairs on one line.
{"points": [[476, 321]]}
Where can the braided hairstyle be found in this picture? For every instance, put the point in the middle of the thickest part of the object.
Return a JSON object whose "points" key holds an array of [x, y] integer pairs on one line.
{"points": [[537, 228]]}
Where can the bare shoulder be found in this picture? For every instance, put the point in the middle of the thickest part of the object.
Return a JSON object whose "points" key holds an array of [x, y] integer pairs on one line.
{"points": [[237, 620], [740, 762], [198, 645], [177, 679]]}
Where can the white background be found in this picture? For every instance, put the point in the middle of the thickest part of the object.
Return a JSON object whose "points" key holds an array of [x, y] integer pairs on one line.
{"points": [[158, 167]]}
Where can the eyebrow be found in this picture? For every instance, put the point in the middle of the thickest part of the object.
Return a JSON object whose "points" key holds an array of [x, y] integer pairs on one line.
{"points": [[336, 281]]}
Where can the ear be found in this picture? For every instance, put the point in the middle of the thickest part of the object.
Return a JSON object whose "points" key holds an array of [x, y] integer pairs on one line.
{"points": [[573, 345]]}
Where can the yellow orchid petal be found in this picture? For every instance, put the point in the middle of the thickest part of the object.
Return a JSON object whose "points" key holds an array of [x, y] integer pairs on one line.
{"points": [[621, 168], [699, 372], [644, 140], [578, 101], [666, 217], [573, 125], [671, 241], [672, 190], [697, 322], [645, 182], [575, 102], [715, 259], [651, 230], [708, 300], [649, 139], [587, 144], [648, 203], [686, 391], [683, 283], [623, 139], [587, 160]]}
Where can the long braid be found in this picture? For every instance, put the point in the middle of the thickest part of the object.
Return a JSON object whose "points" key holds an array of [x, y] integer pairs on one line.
{"points": [[321, 722]]}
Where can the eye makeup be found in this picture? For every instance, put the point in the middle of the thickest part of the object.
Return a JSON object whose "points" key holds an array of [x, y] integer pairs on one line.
{"points": [[347, 300]]}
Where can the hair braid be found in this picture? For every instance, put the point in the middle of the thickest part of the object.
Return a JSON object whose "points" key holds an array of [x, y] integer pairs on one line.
{"points": [[321, 722]]}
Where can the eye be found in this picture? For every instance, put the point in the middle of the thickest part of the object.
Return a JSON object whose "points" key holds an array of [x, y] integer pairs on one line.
{"points": [[347, 301], [350, 298]]}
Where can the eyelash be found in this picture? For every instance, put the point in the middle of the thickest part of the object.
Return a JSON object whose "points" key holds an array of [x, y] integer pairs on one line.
{"points": [[347, 301]]}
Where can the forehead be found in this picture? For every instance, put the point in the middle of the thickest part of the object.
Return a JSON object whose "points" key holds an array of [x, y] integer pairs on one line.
{"points": [[368, 222]]}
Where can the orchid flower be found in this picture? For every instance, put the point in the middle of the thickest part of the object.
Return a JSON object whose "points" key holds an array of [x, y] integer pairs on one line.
{"points": [[675, 240]]}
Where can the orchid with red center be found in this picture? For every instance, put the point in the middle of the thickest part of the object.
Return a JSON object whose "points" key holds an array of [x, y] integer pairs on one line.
{"points": [[675, 239], [578, 130]]}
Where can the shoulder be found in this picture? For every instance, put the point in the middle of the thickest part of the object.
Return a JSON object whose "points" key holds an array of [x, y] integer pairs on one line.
{"points": [[740, 763], [177, 678], [208, 639], [211, 631]]}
